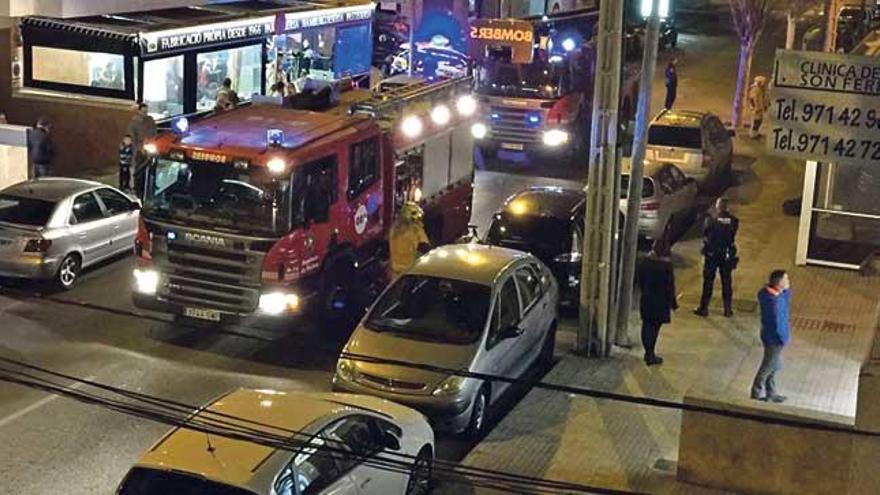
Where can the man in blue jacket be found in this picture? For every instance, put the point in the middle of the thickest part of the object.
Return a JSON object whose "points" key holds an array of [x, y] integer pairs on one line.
{"points": [[774, 300]]}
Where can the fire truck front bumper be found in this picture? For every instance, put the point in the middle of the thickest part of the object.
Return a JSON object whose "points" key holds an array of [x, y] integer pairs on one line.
{"points": [[550, 143]]}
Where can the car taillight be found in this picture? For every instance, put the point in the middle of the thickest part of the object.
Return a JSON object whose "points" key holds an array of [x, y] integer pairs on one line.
{"points": [[37, 246], [650, 206]]}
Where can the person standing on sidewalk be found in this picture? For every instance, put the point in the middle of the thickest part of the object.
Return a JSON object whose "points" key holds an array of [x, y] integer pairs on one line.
{"points": [[671, 82], [657, 298], [141, 128], [719, 255], [774, 300], [41, 150], [126, 155], [759, 102]]}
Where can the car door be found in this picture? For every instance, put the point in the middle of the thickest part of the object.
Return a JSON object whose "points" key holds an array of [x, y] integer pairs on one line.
{"points": [[90, 228], [315, 469], [365, 437], [123, 213], [534, 315], [502, 347], [686, 192]]}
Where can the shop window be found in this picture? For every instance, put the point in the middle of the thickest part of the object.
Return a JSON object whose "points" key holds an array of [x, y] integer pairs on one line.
{"points": [[164, 99], [242, 65], [307, 53], [364, 166], [78, 68], [351, 58]]}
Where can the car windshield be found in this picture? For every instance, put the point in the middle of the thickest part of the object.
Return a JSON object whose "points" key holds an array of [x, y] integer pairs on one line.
{"points": [[145, 481], [534, 80], [432, 309], [242, 199], [677, 137], [647, 187], [544, 237], [25, 211]]}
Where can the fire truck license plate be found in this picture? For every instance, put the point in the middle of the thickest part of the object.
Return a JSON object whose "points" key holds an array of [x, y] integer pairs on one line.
{"points": [[202, 314], [512, 146]]}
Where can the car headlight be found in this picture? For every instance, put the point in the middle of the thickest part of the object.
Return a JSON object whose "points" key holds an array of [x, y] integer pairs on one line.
{"points": [[146, 281], [450, 386], [555, 137], [345, 369], [275, 303]]}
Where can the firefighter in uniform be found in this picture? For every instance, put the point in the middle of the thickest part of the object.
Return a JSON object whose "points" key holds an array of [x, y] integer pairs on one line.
{"points": [[719, 255], [407, 239]]}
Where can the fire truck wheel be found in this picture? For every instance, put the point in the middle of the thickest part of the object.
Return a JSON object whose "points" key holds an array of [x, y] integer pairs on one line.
{"points": [[338, 301]]}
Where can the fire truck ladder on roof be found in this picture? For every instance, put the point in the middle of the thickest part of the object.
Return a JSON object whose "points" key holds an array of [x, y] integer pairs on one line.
{"points": [[419, 97]]}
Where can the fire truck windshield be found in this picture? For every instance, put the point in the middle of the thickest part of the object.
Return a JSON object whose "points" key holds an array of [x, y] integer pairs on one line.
{"points": [[242, 199], [535, 80]]}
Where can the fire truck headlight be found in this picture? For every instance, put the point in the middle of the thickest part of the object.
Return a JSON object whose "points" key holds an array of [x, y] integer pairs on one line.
{"points": [[150, 148], [440, 115], [146, 281], [276, 166], [466, 105], [411, 126], [479, 130], [568, 44], [276, 303], [555, 137]]}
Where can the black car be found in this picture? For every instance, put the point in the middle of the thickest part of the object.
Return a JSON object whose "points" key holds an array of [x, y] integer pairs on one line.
{"points": [[547, 222]]}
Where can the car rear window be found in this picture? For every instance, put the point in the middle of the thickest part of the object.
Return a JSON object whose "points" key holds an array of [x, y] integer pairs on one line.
{"points": [[545, 237], [678, 137], [142, 481], [647, 187], [25, 211]]}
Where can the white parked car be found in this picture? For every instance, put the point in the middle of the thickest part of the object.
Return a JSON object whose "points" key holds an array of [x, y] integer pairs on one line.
{"points": [[52, 228], [668, 201], [470, 307], [345, 431], [696, 142]]}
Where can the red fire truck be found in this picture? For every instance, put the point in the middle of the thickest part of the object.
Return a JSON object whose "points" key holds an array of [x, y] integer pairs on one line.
{"points": [[265, 210], [536, 84]]}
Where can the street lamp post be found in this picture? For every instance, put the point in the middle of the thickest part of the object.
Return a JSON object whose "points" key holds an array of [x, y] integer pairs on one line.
{"points": [[597, 313]]}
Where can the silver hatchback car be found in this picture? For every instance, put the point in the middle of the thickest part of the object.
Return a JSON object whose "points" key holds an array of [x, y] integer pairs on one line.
{"points": [[52, 228], [465, 307]]}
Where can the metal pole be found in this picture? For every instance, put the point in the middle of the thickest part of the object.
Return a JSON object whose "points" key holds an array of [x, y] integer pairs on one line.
{"points": [[412, 28], [634, 198], [596, 301]]}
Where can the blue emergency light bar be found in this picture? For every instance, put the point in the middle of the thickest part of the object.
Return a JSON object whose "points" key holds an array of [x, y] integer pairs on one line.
{"points": [[274, 137]]}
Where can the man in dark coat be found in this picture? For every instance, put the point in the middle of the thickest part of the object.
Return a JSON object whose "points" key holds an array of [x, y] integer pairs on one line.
{"points": [[671, 82], [656, 281], [141, 128], [41, 150]]}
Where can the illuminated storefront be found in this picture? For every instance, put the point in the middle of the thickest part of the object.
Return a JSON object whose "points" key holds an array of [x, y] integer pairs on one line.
{"points": [[175, 60]]}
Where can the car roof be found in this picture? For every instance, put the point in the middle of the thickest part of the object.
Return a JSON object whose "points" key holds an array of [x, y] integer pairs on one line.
{"points": [[51, 188], [680, 118], [556, 202], [236, 462], [471, 262]]}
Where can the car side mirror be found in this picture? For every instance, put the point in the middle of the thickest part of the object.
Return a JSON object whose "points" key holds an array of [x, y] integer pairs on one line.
{"points": [[511, 332], [389, 441]]}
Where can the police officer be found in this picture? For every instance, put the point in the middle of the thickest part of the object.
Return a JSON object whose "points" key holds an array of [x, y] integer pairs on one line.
{"points": [[719, 255], [407, 239]]}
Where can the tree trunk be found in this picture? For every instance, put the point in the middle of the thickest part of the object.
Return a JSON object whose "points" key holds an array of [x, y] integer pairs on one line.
{"points": [[831, 7], [790, 30], [746, 52]]}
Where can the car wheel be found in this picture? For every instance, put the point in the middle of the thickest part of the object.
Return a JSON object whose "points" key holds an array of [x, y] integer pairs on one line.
{"points": [[479, 414], [545, 359], [68, 272], [420, 478]]}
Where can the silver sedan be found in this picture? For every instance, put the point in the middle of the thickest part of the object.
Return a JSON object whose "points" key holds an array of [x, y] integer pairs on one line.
{"points": [[52, 228]]}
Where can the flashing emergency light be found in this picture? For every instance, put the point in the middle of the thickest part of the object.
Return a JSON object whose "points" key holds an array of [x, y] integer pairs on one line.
{"points": [[568, 44], [276, 166], [555, 59], [150, 148], [441, 115], [180, 125], [274, 137], [466, 105], [411, 126], [534, 119]]}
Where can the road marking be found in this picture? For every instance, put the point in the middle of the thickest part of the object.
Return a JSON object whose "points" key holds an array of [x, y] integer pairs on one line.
{"points": [[38, 404]]}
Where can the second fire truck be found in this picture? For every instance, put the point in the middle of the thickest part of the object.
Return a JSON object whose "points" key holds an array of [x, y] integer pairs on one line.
{"points": [[265, 210]]}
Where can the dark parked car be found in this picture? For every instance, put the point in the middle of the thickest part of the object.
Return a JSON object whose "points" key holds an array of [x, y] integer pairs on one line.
{"points": [[549, 223]]}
